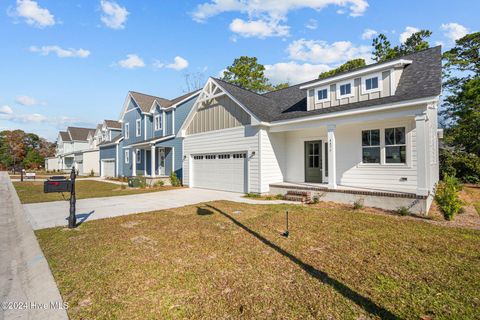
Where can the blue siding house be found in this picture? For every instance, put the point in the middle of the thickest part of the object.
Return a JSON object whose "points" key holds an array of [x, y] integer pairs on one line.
{"points": [[148, 145]]}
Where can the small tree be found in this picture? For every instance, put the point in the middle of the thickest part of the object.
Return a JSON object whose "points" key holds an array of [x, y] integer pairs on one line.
{"points": [[447, 197], [33, 159], [383, 49]]}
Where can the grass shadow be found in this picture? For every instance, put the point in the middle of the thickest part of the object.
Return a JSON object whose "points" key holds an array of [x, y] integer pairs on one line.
{"points": [[204, 211], [360, 300]]}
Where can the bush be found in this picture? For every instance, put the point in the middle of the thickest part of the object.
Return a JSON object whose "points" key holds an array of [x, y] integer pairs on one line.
{"points": [[358, 204], [465, 166], [174, 181], [159, 183], [403, 211], [92, 173], [316, 199], [252, 195], [447, 197], [279, 196]]}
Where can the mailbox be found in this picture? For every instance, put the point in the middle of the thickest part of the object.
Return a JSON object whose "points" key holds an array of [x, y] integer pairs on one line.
{"points": [[57, 184]]}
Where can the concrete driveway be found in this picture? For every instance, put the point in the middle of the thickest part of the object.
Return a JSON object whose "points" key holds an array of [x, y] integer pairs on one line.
{"points": [[52, 214]]}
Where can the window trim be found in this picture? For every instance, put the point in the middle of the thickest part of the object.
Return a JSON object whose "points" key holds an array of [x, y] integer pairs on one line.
{"points": [[127, 130], [127, 156], [320, 89], [352, 88], [379, 146], [395, 145], [138, 127], [157, 118], [370, 76]]}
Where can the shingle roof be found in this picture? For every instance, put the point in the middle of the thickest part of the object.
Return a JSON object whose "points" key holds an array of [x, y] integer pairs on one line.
{"points": [[110, 142], [145, 101], [79, 134], [113, 124], [65, 136], [420, 79]]}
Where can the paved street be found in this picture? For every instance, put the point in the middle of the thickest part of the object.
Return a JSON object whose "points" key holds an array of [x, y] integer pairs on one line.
{"points": [[24, 273], [51, 214]]}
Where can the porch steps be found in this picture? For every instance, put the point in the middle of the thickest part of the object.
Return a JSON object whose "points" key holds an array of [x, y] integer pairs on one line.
{"points": [[299, 196]]}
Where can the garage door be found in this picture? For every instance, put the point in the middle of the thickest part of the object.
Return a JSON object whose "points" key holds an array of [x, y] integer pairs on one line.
{"points": [[108, 168], [221, 171]]}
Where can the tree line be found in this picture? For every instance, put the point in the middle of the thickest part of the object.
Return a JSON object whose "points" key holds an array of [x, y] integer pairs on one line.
{"points": [[21, 149]]}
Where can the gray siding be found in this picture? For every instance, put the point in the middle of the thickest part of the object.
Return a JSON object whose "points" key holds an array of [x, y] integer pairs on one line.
{"points": [[168, 123], [221, 113]]}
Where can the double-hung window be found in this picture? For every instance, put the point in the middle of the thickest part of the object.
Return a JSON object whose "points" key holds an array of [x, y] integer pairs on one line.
{"points": [[138, 127], [371, 146], [127, 130], [158, 122], [127, 156], [395, 145]]}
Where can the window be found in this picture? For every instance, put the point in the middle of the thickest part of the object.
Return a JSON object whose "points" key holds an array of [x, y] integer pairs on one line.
{"points": [[138, 127], [239, 155], [127, 156], [127, 130], [371, 83], [322, 94], [139, 155], [198, 157], [158, 122], [344, 89], [371, 146], [395, 146], [210, 157]]}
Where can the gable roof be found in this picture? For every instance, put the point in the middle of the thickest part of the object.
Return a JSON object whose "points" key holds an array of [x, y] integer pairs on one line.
{"points": [[65, 136], [113, 141], [79, 134], [420, 79], [145, 101], [112, 124]]}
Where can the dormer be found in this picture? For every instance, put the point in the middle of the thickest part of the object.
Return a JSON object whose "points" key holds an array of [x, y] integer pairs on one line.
{"points": [[362, 84]]}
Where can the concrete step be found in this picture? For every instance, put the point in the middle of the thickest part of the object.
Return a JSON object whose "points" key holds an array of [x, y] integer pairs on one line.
{"points": [[292, 197]]}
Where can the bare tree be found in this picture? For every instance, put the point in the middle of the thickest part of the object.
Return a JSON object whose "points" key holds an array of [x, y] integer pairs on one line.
{"points": [[194, 81]]}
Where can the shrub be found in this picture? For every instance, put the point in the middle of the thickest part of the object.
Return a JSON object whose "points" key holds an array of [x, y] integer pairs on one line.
{"points": [[92, 173], [252, 195], [316, 198], [464, 166], [174, 181], [358, 204], [447, 197], [268, 198], [159, 183], [279, 196], [403, 211]]}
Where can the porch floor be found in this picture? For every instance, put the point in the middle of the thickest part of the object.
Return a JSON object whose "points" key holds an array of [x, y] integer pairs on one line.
{"points": [[344, 189]]}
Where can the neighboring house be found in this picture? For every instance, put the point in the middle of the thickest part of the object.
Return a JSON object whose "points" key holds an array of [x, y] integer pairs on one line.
{"points": [[105, 132], [369, 135], [148, 144], [70, 147]]}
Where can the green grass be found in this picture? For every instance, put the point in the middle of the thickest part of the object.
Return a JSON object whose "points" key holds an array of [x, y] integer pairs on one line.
{"points": [[228, 260], [32, 192]]}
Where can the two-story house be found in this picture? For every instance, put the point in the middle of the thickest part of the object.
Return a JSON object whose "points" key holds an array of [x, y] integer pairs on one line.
{"points": [[69, 151], [149, 145], [369, 134]]}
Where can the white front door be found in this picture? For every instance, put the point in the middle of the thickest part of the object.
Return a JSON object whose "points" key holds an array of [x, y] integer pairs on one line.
{"points": [[161, 162]]}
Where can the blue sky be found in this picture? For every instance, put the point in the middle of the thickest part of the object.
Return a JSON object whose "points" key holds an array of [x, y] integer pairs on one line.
{"points": [[72, 62]]}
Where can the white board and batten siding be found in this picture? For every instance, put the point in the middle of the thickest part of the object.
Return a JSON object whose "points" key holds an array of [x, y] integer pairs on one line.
{"points": [[233, 140]]}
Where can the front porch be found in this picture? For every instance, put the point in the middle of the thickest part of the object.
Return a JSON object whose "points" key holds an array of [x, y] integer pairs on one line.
{"points": [[152, 162]]}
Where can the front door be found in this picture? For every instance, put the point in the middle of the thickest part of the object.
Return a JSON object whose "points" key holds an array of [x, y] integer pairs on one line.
{"points": [[161, 162], [313, 161]]}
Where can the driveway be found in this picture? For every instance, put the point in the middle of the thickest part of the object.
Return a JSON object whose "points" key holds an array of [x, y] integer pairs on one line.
{"points": [[52, 214]]}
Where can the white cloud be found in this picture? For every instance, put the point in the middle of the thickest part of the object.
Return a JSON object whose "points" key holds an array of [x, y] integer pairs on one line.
{"points": [[157, 64], [368, 34], [33, 14], [60, 52], [26, 101], [132, 61], [454, 31], [25, 118], [311, 24], [267, 18], [293, 72], [273, 8], [407, 33], [114, 16], [179, 63], [6, 110], [259, 28], [322, 52]]}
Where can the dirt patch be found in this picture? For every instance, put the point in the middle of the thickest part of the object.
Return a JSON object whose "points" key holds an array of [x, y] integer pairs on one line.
{"points": [[131, 224]]}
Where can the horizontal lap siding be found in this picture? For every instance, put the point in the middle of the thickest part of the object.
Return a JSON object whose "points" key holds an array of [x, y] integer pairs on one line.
{"points": [[229, 140], [272, 158], [350, 171]]}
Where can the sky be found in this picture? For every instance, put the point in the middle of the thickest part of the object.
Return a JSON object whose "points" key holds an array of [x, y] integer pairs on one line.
{"points": [[72, 63]]}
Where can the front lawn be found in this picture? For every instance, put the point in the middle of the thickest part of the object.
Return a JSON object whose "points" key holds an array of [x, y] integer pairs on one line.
{"points": [[228, 260], [31, 192]]}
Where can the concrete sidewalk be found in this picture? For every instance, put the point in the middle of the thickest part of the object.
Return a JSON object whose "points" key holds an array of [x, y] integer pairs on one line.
{"points": [[27, 287], [52, 214]]}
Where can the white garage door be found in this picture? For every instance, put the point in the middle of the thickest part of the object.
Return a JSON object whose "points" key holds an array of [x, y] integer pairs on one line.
{"points": [[221, 171], [108, 168]]}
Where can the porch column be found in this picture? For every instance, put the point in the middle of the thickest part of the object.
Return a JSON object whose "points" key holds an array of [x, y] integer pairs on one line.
{"points": [[134, 162], [152, 160], [332, 162], [422, 154]]}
